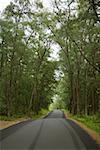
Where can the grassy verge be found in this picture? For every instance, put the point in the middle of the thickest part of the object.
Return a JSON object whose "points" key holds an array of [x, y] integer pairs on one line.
{"points": [[41, 114], [12, 118], [92, 122], [9, 121]]}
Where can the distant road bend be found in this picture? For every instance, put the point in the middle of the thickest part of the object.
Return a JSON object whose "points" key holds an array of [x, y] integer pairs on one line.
{"points": [[51, 133]]}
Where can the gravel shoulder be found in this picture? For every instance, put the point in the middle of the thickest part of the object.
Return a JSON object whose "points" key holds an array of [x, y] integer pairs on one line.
{"points": [[6, 124]]}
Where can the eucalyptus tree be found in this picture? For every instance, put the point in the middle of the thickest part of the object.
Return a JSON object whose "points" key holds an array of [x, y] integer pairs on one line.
{"points": [[74, 26], [27, 75]]}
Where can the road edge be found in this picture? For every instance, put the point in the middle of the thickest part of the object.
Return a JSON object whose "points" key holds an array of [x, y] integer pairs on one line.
{"points": [[89, 131]]}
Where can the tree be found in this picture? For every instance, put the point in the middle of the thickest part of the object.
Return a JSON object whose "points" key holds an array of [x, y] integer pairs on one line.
{"points": [[25, 85]]}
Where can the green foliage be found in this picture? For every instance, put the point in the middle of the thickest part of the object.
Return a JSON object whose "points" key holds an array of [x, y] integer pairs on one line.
{"points": [[26, 75], [28, 80], [77, 36], [90, 121], [41, 114]]}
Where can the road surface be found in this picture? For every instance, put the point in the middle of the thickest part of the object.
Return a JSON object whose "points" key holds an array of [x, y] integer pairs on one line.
{"points": [[52, 133]]}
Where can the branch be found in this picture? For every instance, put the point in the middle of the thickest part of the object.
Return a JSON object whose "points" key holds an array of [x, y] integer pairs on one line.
{"points": [[38, 68], [80, 50], [94, 8], [71, 2]]}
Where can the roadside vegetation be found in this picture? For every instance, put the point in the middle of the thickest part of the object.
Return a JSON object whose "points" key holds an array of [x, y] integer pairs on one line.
{"points": [[92, 122], [41, 114], [6, 121]]}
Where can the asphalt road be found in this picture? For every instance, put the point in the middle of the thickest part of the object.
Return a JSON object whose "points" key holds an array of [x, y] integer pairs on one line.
{"points": [[52, 133]]}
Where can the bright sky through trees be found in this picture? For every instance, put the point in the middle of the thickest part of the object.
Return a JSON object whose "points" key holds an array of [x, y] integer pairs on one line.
{"points": [[55, 48], [4, 3]]}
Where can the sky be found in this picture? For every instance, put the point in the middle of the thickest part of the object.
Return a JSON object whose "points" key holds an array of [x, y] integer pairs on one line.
{"points": [[4, 3]]}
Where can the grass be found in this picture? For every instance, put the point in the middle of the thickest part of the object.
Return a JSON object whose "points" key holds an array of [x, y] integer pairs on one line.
{"points": [[93, 122], [41, 114], [12, 118]]}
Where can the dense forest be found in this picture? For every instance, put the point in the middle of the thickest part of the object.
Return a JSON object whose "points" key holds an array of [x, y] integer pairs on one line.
{"points": [[29, 77]]}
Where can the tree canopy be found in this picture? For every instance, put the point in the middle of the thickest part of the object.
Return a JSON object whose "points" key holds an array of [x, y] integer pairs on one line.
{"points": [[30, 77]]}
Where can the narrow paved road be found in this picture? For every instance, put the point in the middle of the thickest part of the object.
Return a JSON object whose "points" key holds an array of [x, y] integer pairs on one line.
{"points": [[52, 133]]}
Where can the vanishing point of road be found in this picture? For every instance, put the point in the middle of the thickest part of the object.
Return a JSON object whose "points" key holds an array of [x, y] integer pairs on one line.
{"points": [[53, 132]]}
